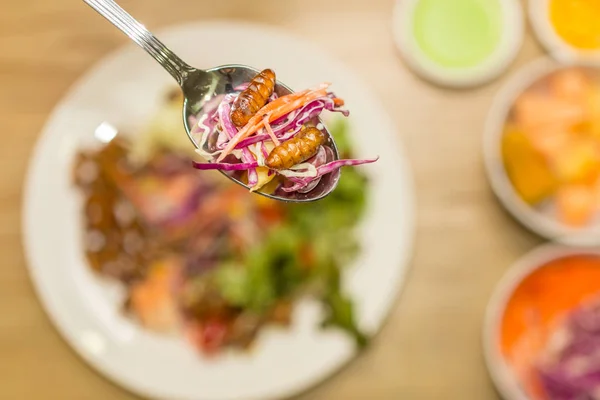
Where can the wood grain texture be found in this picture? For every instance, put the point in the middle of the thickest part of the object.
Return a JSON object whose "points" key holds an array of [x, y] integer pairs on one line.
{"points": [[430, 347]]}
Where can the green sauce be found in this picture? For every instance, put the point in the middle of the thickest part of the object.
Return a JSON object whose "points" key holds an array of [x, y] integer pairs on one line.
{"points": [[458, 33]]}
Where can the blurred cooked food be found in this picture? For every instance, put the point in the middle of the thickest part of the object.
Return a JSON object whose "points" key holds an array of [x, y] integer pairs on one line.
{"points": [[198, 255], [530, 173], [551, 145]]}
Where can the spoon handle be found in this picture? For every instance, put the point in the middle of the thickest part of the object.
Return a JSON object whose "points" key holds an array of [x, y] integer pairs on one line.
{"points": [[142, 36]]}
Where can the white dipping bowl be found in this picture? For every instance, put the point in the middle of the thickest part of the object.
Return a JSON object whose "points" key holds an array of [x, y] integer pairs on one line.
{"points": [[496, 64]]}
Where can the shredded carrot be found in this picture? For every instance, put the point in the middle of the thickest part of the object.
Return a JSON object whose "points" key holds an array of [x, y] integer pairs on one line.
{"points": [[280, 101], [274, 113], [270, 130], [274, 110]]}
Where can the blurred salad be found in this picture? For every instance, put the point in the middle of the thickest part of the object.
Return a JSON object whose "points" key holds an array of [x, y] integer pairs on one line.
{"points": [[200, 256], [551, 146]]}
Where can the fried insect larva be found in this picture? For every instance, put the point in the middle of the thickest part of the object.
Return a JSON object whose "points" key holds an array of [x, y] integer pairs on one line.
{"points": [[253, 98], [296, 150]]}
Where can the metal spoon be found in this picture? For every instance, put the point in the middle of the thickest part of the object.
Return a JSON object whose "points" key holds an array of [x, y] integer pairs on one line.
{"points": [[200, 86]]}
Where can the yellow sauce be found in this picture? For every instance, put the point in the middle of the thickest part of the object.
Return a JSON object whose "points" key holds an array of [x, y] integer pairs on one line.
{"points": [[577, 22]]}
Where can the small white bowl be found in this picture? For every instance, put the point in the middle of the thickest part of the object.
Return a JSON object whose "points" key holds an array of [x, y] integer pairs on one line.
{"points": [[496, 64], [554, 44], [544, 225], [500, 372]]}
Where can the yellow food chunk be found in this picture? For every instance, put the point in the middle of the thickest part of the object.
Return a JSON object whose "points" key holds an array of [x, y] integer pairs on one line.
{"points": [[578, 162], [263, 178], [576, 204], [526, 168], [263, 172]]}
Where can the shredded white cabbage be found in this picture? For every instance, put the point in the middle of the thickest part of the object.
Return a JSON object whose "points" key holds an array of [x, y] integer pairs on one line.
{"points": [[303, 170]]}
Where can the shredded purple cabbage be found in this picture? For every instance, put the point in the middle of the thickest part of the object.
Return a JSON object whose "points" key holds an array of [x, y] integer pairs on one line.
{"points": [[302, 183], [225, 166], [201, 125], [231, 130], [304, 115], [319, 159], [571, 370], [263, 149]]}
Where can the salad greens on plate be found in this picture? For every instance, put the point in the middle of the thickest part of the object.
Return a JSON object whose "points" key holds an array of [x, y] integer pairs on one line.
{"points": [[202, 257]]}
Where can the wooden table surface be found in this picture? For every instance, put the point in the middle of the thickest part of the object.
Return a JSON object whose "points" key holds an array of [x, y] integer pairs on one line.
{"points": [[430, 348]]}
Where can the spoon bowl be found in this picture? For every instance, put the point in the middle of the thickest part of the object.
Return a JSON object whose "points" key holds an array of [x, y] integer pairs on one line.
{"points": [[222, 81], [201, 86]]}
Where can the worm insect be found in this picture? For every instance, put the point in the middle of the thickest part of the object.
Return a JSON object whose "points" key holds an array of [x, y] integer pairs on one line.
{"points": [[253, 98], [296, 150]]}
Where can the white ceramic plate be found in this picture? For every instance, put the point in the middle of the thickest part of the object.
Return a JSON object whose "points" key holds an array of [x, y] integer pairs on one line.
{"points": [[504, 379], [125, 89], [542, 223], [539, 11]]}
